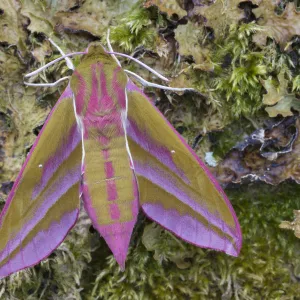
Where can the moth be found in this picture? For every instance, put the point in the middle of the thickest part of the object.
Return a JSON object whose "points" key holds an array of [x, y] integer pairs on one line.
{"points": [[106, 143]]}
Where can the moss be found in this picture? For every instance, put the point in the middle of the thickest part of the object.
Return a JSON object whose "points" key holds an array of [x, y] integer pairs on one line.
{"points": [[237, 81], [136, 28], [296, 83], [240, 68]]}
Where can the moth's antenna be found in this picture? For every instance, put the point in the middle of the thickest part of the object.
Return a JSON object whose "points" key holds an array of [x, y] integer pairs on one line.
{"points": [[47, 84], [52, 63], [151, 84], [110, 48], [141, 63], [67, 59]]}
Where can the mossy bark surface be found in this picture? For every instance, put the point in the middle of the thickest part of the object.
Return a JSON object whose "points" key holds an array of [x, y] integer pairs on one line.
{"points": [[243, 61]]}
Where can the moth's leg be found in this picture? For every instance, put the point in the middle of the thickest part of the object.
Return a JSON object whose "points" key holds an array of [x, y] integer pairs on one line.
{"points": [[47, 84], [52, 63], [68, 62], [151, 84], [67, 59], [110, 47]]}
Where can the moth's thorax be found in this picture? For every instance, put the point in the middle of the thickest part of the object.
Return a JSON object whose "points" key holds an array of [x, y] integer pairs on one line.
{"points": [[99, 93], [99, 89], [98, 84]]}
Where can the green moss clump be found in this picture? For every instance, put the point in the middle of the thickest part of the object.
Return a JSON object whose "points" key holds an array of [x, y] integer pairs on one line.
{"points": [[136, 28], [296, 83], [239, 70]]}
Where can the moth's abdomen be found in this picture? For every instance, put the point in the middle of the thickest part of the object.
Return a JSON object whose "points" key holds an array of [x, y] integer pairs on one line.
{"points": [[109, 188], [109, 181]]}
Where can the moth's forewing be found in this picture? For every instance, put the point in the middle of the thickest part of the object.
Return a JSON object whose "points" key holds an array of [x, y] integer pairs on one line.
{"points": [[175, 188], [43, 204]]}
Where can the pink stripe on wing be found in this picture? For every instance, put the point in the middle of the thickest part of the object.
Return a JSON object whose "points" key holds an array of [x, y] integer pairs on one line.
{"points": [[51, 196], [55, 161], [166, 182], [41, 245], [163, 154], [189, 229]]}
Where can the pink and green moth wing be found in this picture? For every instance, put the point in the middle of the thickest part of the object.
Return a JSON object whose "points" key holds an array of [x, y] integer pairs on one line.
{"points": [[175, 188], [44, 202]]}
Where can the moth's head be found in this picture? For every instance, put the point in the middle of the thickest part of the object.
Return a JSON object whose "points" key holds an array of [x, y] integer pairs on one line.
{"points": [[96, 53]]}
